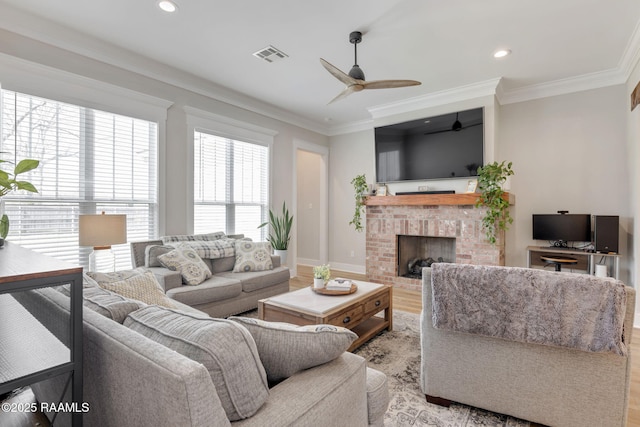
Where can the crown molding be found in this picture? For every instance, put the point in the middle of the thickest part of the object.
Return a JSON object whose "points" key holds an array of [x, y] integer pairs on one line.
{"points": [[461, 93], [561, 87], [361, 125], [631, 55]]}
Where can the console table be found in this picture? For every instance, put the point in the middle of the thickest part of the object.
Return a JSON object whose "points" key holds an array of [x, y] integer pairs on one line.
{"points": [[30, 350], [583, 260]]}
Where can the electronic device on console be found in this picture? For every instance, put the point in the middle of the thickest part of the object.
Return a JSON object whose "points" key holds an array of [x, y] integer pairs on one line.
{"points": [[562, 228]]}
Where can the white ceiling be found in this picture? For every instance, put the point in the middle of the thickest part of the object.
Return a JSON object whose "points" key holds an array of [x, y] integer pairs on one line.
{"points": [[444, 44]]}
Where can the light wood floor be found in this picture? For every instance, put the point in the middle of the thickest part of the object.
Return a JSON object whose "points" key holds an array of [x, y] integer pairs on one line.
{"points": [[411, 301]]}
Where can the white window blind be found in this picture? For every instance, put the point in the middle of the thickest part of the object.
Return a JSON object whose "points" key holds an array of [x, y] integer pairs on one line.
{"points": [[231, 186], [90, 161]]}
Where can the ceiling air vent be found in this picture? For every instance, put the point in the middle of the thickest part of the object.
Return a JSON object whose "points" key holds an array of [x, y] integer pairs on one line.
{"points": [[270, 54]]}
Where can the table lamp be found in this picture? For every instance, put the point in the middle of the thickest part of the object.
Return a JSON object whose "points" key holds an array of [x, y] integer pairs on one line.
{"points": [[101, 231]]}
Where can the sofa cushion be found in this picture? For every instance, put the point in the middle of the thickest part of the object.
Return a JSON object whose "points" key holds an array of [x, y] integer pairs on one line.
{"points": [[152, 252], [115, 276], [256, 280], [225, 348], [186, 261], [191, 237], [144, 288], [252, 256], [217, 288], [223, 264], [286, 349], [109, 304]]}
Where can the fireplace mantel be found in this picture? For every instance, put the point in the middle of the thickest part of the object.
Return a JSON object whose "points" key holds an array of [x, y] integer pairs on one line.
{"points": [[430, 199]]}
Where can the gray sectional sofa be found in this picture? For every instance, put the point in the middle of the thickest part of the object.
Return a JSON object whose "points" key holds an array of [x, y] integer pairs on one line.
{"points": [[133, 380], [226, 292]]}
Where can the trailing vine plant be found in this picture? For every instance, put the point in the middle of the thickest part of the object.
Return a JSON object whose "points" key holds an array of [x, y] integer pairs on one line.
{"points": [[361, 189], [491, 177]]}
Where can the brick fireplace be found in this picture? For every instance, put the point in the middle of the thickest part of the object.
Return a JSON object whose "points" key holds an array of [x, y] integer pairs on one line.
{"points": [[449, 216]]}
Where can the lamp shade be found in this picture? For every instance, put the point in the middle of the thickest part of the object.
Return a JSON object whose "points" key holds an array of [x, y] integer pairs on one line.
{"points": [[102, 230]]}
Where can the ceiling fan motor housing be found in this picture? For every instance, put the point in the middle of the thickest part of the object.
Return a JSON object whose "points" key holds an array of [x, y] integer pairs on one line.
{"points": [[356, 72]]}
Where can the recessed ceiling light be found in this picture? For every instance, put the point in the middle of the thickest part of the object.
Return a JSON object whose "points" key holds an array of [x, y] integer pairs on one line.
{"points": [[167, 6], [501, 53]]}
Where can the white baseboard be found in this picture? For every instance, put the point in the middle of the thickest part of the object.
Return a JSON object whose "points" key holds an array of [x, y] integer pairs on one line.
{"points": [[349, 268]]}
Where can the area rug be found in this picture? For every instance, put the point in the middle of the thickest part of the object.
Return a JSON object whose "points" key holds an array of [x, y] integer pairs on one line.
{"points": [[397, 354]]}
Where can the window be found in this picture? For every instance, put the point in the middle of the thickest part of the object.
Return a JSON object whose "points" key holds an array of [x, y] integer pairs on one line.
{"points": [[90, 161], [230, 186]]}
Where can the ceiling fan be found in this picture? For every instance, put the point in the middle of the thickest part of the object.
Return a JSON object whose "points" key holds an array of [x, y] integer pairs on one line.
{"points": [[355, 79], [455, 127]]}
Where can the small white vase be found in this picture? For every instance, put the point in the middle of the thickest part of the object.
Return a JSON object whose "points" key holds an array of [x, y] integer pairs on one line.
{"points": [[318, 283]]}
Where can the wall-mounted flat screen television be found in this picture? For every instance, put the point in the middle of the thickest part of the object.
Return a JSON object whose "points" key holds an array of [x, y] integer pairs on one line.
{"points": [[562, 227], [446, 146]]}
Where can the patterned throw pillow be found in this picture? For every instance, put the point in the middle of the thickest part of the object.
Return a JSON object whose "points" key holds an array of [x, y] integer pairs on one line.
{"points": [[225, 348], [286, 349], [186, 261], [252, 256], [144, 287], [191, 237]]}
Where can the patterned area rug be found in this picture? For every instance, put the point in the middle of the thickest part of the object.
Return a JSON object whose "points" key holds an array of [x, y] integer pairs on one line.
{"points": [[397, 354]]}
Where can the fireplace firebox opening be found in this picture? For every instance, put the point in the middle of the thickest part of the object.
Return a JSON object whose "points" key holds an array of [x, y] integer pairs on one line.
{"points": [[416, 252]]}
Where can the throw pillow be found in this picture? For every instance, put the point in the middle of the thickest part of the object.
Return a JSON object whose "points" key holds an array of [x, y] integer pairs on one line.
{"points": [[225, 348], [286, 349], [191, 237], [186, 261], [143, 288], [252, 256], [152, 252], [115, 276], [110, 304]]}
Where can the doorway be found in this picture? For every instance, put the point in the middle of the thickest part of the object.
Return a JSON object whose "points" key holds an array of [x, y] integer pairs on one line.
{"points": [[311, 192]]}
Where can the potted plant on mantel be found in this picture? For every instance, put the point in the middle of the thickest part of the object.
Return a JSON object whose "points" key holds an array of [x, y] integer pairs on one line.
{"points": [[280, 232], [491, 178], [9, 184], [361, 190]]}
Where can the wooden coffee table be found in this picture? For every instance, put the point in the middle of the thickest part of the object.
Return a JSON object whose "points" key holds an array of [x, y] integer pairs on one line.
{"points": [[356, 311]]}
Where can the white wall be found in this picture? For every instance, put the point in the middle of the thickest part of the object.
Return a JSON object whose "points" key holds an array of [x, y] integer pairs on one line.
{"points": [[351, 154], [633, 160], [570, 153]]}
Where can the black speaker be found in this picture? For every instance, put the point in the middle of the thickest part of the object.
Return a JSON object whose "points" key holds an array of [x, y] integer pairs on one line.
{"points": [[605, 233]]}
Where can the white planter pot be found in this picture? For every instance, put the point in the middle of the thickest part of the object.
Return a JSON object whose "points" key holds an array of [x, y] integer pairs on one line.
{"points": [[282, 254], [318, 283]]}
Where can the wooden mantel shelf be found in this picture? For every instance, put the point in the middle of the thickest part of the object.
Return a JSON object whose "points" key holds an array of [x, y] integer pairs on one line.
{"points": [[430, 199]]}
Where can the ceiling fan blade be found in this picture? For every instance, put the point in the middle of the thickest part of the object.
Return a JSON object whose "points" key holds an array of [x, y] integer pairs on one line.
{"points": [[338, 74], [346, 92], [387, 84]]}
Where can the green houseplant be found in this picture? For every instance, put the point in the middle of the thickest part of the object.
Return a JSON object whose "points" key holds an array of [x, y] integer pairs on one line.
{"points": [[491, 177], [8, 183], [360, 189], [280, 233]]}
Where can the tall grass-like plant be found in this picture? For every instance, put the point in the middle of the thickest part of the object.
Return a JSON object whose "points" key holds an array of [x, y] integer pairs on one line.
{"points": [[280, 229], [491, 177]]}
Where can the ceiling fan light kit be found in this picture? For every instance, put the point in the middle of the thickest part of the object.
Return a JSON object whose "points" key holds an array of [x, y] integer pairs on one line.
{"points": [[355, 81]]}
